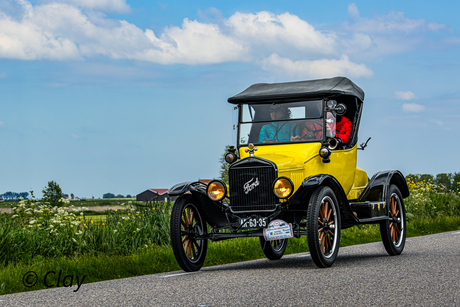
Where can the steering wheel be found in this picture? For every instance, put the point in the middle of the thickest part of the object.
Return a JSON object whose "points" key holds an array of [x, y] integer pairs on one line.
{"points": [[311, 133]]}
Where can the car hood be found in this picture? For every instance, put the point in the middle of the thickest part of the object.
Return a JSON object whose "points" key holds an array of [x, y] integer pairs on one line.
{"points": [[291, 161]]}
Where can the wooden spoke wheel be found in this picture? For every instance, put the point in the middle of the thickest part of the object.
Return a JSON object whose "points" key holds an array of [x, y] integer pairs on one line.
{"points": [[393, 230], [187, 225], [323, 227], [275, 249]]}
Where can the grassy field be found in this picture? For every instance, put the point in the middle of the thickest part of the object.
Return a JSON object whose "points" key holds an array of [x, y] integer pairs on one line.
{"points": [[158, 259], [89, 202]]}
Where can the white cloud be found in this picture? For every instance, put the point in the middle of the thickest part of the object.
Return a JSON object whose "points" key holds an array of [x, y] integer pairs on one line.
{"points": [[61, 31], [2, 124], [412, 107], [118, 6], [319, 68], [193, 43], [27, 40], [393, 22], [405, 95], [2, 75], [437, 122], [392, 33], [353, 11], [79, 29], [268, 30], [74, 136]]}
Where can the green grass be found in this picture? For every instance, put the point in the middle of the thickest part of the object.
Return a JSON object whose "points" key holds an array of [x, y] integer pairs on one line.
{"points": [[157, 259], [96, 218]]}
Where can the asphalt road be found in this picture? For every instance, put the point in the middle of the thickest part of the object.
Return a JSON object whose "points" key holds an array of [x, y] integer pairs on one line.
{"points": [[427, 273]]}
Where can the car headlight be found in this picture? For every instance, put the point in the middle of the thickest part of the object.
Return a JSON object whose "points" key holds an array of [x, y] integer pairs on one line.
{"points": [[216, 190], [283, 187], [324, 152], [230, 157]]}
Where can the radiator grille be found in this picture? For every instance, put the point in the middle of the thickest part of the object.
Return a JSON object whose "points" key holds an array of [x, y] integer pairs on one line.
{"points": [[251, 188]]}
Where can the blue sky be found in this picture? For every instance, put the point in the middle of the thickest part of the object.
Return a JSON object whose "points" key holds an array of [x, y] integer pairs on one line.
{"points": [[120, 96]]}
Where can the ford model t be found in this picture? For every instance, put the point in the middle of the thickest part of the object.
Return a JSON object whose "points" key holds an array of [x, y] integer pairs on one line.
{"points": [[292, 173]]}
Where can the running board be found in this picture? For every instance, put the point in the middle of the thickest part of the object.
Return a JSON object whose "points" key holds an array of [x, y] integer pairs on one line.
{"points": [[370, 211], [373, 220]]}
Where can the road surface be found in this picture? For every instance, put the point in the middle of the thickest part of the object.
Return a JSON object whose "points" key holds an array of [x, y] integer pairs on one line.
{"points": [[427, 273]]}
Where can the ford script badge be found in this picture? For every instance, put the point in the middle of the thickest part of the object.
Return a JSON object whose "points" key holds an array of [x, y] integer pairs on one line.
{"points": [[250, 185]]}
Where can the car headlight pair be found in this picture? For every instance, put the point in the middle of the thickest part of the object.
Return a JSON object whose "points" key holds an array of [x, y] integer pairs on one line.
{"points": [[282, 187]]}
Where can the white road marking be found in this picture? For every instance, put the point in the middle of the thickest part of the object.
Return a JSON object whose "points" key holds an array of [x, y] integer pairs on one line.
{"points": [[179, 274]]}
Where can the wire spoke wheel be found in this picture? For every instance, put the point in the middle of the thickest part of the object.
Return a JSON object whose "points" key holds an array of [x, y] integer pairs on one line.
{"points": [[326, 225], [393, 230], [274, 249], [187, 225], [323, 227]]}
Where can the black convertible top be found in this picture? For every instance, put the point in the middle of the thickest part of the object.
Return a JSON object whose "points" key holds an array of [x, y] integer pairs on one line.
{"points": [[301, 89]]}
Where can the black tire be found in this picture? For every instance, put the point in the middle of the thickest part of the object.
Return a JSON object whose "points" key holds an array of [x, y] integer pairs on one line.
{"points": [[323, 227], [275, 249], [393, 230], [187, 222]]}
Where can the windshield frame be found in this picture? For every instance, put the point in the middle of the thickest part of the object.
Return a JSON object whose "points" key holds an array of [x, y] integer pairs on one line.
{"points": [[244, 120]]}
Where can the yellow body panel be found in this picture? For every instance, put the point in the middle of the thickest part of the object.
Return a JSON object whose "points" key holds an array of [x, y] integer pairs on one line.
{"points": [[298, 161], [360, 182]]}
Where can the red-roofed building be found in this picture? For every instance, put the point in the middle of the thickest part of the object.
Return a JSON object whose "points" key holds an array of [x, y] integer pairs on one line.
{"points": [[153, 194]]}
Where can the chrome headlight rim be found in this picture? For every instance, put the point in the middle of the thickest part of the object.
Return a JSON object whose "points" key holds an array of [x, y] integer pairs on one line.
{"points": [[291, 184], [219, 183], [230, 157]]}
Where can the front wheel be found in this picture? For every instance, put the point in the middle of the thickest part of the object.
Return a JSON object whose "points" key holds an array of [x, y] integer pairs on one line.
{"points": [[187, 224], [323, 227], [275, 249], [393, 230]]}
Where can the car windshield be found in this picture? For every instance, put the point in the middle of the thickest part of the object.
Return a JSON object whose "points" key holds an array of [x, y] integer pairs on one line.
{"points": [[279, 123]]}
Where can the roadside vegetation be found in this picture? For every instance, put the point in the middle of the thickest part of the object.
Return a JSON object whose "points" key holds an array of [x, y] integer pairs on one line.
{"points": [[44, 236]]}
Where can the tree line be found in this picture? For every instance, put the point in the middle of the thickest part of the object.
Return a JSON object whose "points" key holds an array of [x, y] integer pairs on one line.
{"points": [[14, 195], [111, 195], [445, 181]]}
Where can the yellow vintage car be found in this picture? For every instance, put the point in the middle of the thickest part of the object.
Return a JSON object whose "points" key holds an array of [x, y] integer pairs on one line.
{"points": [[292, 172]]}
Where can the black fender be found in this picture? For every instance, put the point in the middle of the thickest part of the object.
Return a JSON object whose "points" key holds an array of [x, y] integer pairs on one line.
{"points": [[213, 211], [378, 186], [309, 184], [185, 187]]}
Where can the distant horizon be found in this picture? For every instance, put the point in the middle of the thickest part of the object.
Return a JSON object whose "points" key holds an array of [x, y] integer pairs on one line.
{"points": [[134, 195]]}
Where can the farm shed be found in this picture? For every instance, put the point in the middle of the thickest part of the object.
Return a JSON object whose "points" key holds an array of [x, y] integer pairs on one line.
{"points": [[153, 194]]}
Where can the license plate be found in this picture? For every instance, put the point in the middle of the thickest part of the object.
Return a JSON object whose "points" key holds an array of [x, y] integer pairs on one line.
{"points": [[253, 222], [277, 230]]}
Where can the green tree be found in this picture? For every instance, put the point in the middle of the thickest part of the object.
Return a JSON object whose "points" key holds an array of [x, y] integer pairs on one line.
{"points": [[456, 182], [108, 195], [224, 166], [444, 181], [52, 194], [420, 177]]}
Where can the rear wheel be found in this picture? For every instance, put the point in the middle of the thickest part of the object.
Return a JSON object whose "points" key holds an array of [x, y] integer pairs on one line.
{"points": [[275, 249], [187, 224], [393, 230], [323, 227]]}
